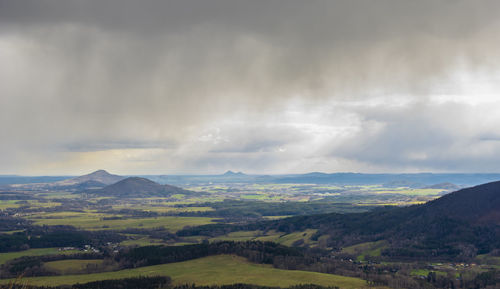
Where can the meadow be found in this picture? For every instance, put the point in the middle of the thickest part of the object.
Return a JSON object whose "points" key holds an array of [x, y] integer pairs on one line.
{"points": [[156, 220], [72, 265], [214, 270], [99, 222], [4, 257]]}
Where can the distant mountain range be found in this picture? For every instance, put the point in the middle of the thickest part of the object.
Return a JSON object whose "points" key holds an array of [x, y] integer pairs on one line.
{"points": [[420, 180]]}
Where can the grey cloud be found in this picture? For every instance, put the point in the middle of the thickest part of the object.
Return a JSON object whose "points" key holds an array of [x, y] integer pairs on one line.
{"points": [[96, 75], [443, 137], [101, 145], [254, 138]]}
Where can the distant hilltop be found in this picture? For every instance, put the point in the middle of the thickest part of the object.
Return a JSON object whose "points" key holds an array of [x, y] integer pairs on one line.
{"points": [[99, 176], [233, 174]]}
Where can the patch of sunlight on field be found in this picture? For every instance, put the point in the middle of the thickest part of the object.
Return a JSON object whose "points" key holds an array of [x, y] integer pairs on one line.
{"points": [[9, 204], [214, 270], [411, 192], [425, 272], [4, 257], [393, 203], [163, 209], [142, 241], [12, 232], [275, 217], [238, 236], [91, 222], [488, 259], [362, 250], [290, 239], [48, 204]]}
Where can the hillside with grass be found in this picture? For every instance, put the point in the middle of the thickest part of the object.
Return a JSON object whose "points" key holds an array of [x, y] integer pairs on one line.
{"points": [[213, 270], [136, 187]]}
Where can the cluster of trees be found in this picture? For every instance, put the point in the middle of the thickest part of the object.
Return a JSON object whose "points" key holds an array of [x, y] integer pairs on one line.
{"points": [[243, 210], [391, 275], [157, 282], [154, 233], [8, 223], [258, 252], [413, 234], [486, 280], [55, 236], [31, 266], [279, 256], [249, 286]]}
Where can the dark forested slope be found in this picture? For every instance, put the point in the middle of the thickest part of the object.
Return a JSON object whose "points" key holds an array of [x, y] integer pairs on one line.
{"points": [[458, 225]]}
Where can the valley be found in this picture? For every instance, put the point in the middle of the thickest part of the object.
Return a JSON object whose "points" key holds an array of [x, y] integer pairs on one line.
{"points": [[83, 230]]}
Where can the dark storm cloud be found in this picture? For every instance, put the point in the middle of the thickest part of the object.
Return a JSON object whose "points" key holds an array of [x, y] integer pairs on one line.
{"points": [[238, 84]]}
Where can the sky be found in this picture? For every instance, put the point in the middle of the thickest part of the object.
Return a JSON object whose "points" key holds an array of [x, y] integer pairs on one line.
{"points": [[259, 86]]}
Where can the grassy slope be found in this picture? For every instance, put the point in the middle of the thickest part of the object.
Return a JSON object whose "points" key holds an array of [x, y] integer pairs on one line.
{"points": [[222, 269], [4, 257], [71, 264], [272, 236], [142, 241], [372, 249]]}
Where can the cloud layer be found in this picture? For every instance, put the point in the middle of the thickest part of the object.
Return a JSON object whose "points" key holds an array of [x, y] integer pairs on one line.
{"points": [[260, 86]]}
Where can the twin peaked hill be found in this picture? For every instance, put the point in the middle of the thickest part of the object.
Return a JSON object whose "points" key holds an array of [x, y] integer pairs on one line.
{"points": [[108, 185]]}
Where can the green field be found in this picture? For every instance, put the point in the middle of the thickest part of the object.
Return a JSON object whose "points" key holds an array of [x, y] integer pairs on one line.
{"points": [[142, 241], [9, 204], [163, 208], [371, 249], [238, 236], [410, 192], [214, 270], [72, 265], [92, 222], [291, 238], [271, 236], [4, 257], [425, 272]]}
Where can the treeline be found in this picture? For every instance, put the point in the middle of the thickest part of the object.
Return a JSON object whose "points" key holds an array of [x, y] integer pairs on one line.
{"points": [[156, 282], [235, 209], [487, 280], [412, 235], [249, 210], [8, 223], [32, 266], [255, 251], [55, 236], [281, 257], [391, 275]]}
